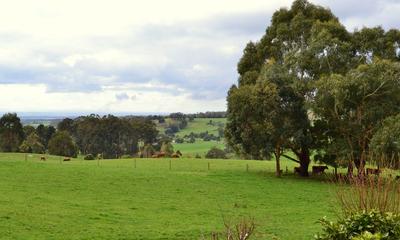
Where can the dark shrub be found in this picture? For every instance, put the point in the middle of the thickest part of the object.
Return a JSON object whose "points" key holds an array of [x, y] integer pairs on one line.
{"points": [[216, 153], [89, 157]]}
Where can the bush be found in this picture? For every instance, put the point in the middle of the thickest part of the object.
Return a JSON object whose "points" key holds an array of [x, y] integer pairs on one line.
{"points": [[167, 148], [89, 157], [365, 194], [32, 144], [216, 153], [362, 226], [191, 140], [61, 144]]}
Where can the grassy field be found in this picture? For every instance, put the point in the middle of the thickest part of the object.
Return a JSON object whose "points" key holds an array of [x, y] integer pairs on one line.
{"points": [[112, 199], [199, 147], [200, 125]]}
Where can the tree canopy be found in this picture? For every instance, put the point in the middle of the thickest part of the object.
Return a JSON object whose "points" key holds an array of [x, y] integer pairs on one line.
{"points": [[304, 51], [11, 132]]}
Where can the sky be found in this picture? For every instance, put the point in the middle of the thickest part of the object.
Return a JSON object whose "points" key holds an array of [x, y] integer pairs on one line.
{"points": [[153, 56]]}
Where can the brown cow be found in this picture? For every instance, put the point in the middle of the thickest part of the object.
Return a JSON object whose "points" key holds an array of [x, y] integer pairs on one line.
{"points": [[67, 159], [42, 158], [297, 170], [375, 171], [317, 170]]}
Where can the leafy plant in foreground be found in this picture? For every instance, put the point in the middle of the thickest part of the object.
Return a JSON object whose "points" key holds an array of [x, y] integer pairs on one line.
{"points": [[360, 226]]}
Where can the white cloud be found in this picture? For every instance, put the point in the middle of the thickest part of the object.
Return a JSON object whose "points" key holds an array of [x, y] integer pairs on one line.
{"points": [[176, 55]]}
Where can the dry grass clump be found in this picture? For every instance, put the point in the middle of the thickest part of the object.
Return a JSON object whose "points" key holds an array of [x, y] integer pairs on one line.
{"points": [[242, 230], [369, 193]]}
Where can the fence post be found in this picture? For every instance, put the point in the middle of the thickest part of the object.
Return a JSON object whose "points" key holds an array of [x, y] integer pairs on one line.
{"points": [[170, 164], [208, 166], [247, 167], [60, 160], [135, 162], [26, 157]]}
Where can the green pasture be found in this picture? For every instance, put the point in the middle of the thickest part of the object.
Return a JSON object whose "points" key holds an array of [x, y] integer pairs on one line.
{"points": [[199, 125], [154, 198], [199, 147]]}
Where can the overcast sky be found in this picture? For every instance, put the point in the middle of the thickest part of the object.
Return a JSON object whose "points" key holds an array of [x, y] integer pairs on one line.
{"points": [[139, 56]]}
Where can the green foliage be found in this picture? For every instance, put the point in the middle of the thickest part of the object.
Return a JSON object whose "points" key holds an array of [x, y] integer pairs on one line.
{"points": [[11, 132], [110, 136], [353, 106], [387, 141], [32, 144], [300, 45], [368, 236], [304, 45], [251, 112], [167, 148], [147, 151], [45, 133], [67, 124], [216, 153], [28, 130], [61, 144], [365, 225]]}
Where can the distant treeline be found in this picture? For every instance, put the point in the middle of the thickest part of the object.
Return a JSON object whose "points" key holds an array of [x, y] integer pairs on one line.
{"points": [[208, 115], [188, 115], [106, 136]]}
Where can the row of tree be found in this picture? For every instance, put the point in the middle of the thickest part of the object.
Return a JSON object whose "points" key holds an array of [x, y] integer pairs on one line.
{"points": [[15, 137], [107, 136], [311, 87]]}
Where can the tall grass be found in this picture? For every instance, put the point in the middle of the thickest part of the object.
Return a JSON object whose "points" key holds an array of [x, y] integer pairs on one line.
{"points": [[368, 193]]}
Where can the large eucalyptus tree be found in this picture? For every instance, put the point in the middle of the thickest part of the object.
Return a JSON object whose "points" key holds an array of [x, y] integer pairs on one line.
{"points": [[302, 46]]}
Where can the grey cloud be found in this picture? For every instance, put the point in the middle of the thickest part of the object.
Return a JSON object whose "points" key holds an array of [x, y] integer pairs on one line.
{"points": [[183, 45], [121, 96]]}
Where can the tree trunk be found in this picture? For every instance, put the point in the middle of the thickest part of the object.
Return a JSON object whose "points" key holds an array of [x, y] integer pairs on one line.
{"points": [[304, 158], [278, 165], [350, 169]]}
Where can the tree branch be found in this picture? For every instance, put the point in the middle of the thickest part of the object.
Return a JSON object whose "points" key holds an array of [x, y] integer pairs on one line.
{"points": [[290, 158]]}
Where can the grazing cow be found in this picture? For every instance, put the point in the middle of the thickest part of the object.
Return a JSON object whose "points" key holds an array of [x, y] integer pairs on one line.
{"points": [[67, 159], [398, 177], [179, 153], [374, 171], [317, 170], [42, 158], [297, 170]]}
